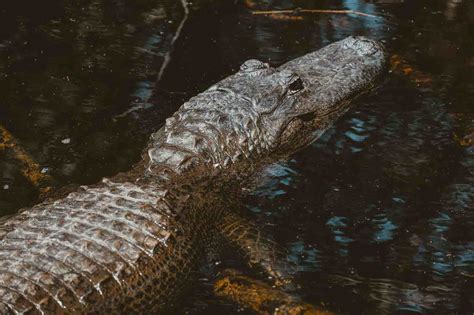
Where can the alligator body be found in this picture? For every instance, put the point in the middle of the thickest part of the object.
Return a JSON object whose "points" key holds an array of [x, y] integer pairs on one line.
{"points": [[130, 243]]}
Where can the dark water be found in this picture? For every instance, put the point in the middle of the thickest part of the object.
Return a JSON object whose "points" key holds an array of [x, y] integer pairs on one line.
{"points": [[378, 214]]}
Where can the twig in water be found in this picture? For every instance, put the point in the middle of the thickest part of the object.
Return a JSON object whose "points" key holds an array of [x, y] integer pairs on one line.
{"points": [[467, 275], [29, 168], [314, 11], [166, 61], [173, 40]]}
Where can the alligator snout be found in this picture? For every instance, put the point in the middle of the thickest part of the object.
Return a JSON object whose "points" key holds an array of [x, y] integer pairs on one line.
{"points": [[363, 46]]}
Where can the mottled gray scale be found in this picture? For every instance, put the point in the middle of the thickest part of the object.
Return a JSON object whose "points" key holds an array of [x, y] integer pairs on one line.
{"points": [[207, 136], [193, 141], [43, 280], [15, 301], [27, 288], [74, 247], [112, 226], [126, 197], [58, 258], [220, 121], [55, 272], [184, 139], [99, 254], [97, 235], [5, 309], [127, 225], [169, 157]]}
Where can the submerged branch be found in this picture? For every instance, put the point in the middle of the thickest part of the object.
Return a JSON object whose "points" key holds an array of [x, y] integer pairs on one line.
{"points": [[29, 167], [167, 60], [261, 297]]}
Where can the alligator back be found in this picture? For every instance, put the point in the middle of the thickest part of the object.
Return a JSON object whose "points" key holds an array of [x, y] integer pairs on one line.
{"points": [[111, 247]]}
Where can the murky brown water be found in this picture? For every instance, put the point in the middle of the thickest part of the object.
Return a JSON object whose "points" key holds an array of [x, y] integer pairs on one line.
{"points": [[378, 213]]}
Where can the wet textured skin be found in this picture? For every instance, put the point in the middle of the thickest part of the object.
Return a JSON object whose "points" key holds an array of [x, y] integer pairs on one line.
{"points": [[130, 243]]}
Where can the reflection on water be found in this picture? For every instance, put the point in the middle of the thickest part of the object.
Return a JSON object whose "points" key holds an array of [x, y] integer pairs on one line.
{"points": [[377, 214], [66, 70]]}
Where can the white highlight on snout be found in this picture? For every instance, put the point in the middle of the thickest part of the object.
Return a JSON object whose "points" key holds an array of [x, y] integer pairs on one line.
{"points": [[362, 45]]}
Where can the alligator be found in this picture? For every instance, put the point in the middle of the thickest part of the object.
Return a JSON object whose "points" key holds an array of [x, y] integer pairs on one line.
{"points": [[130, 243]]}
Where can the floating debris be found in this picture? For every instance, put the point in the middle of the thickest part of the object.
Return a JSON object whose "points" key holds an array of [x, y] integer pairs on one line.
{"points": [[401, 66], [285, 17], [29, 167]]}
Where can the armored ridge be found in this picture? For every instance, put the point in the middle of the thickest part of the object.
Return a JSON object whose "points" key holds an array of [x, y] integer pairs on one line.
{"points": [[129, 243]]}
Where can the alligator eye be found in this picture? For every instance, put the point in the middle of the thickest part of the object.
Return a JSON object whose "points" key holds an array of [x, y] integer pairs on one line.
{"points": [[295, 86], [307, 117]]}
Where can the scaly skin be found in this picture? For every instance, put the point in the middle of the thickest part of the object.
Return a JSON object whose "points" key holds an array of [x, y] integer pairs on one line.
{"points": [[130, 243]]}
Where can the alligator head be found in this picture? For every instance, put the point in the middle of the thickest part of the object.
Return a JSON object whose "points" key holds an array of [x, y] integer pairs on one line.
{"points": [[324, 83], [263, 112]]}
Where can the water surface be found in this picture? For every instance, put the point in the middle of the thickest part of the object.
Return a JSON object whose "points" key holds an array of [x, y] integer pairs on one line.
{"points": [[378, 214]]}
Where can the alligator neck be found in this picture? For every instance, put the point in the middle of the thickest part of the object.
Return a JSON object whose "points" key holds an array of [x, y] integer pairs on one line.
{"points": [[207, 142]]}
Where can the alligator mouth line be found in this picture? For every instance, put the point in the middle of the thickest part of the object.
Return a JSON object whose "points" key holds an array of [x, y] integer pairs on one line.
{"points": [[315, 116], [341, 105]]}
